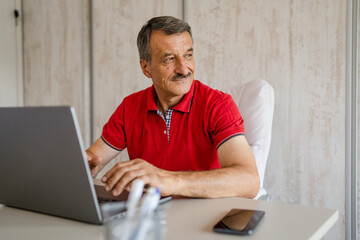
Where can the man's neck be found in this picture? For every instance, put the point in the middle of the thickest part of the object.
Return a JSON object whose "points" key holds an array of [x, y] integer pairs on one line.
{"points": [[164, 104]]}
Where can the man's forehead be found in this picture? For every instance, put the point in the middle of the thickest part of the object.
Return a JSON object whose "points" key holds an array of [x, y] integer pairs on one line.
{"points": [[161, 41]]}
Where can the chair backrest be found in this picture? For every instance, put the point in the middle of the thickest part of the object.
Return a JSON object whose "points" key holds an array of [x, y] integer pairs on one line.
{"points": [[255, 100]]}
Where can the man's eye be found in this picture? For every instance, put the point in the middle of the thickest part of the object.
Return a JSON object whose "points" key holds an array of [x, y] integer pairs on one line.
{"points": [[188, 55], [170, 59]]}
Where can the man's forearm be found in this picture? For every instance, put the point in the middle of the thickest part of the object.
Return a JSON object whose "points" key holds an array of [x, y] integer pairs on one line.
{"points": [[99, 154], [223, 182]]}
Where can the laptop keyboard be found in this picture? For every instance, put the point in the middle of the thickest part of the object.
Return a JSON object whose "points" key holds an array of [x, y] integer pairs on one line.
{"points": [[106, 200]]}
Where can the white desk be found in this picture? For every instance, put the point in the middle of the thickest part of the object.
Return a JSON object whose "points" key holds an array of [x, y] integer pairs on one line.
{"points": [[185, 219]]}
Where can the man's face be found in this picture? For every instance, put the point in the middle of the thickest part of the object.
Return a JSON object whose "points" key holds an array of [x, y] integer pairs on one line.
{"points": [[172, 64]]}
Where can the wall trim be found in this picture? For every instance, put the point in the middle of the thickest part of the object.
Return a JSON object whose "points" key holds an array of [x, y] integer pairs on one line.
{"points": [[351, 122]]}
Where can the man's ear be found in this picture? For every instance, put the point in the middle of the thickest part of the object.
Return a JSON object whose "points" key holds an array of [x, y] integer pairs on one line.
{"points": [[145, 68]]}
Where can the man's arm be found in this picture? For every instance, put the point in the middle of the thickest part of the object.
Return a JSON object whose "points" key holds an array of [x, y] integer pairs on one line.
{"points": [[98, 155], [238, 175]]}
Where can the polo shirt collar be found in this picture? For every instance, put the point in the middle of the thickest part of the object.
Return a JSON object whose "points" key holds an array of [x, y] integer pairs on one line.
{"points": [[183, 106], [151, 101]]}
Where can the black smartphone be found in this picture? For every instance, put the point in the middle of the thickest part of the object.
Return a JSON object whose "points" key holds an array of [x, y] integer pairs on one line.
{"points": [[239, 221]]}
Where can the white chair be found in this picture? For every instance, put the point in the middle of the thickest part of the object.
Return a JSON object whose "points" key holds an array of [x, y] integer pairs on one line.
{"points": [[255, 100]]}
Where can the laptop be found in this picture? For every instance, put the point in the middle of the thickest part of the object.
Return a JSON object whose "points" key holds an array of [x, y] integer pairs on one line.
{"points": [[43, 167]]}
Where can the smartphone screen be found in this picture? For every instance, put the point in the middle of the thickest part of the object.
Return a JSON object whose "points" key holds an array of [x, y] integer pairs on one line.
{"points": [[239, 221]]}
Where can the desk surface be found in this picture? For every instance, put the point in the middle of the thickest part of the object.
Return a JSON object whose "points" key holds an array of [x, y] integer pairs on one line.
{"points": [[184, 219]]}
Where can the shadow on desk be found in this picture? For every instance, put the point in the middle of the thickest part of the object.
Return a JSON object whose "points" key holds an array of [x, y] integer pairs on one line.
{"points": [[22, 224]]}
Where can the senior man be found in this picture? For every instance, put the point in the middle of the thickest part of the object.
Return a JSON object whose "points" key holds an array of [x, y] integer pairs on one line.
{"points": [[182, 136]]}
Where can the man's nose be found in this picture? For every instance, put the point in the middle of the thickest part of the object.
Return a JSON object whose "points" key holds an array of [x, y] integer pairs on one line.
{"points": [[181, 67]]}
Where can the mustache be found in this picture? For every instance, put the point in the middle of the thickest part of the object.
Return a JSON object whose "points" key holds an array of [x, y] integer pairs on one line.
{"points": [[180, 76]]}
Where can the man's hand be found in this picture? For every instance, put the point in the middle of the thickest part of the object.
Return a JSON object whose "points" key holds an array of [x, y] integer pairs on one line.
{"points": [[98, 155], [94, 163], [122, 175]]}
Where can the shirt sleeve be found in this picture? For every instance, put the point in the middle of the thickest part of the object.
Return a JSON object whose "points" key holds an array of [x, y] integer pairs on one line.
{"points": [[113, 133], [225, 120]]}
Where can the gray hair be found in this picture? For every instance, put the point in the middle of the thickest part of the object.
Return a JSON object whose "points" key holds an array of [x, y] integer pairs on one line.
{"points": [[169, 25]]}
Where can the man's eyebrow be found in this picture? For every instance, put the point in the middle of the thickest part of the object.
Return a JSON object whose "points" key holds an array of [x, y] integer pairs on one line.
{"points": [[171, 54], [168, 54]]}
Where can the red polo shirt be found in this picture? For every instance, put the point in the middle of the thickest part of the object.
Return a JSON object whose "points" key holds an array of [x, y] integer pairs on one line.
{"points": [[200, 123]]}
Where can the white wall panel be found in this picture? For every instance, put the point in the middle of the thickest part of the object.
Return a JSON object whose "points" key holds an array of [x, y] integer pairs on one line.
{"points": [[54, 50], [11, 69]]}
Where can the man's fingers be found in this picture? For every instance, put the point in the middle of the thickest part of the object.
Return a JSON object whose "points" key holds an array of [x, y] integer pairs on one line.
{"points": [[116, 168], [126, 180], [95, 161], [122, 175], [129, 178], [116, 174]]}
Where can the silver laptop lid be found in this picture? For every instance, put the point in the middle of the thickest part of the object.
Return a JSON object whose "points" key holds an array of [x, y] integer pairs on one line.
{"points": [[43, 166]]}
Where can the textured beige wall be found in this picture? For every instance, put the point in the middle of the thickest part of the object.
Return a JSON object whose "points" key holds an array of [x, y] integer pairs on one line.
{"points": [[54, 56], [299, 47]]}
